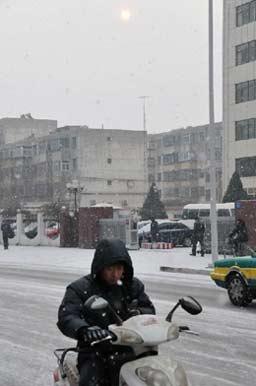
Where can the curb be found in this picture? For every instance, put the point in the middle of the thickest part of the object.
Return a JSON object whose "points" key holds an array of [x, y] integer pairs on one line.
{"points": [[186, 270]]}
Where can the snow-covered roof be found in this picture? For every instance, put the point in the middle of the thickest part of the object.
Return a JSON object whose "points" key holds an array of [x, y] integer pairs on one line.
{"points": [[105, 205], [226, 205]]}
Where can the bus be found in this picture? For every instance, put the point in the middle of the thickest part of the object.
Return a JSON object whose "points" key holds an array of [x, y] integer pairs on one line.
{"points": [[192, 211]]}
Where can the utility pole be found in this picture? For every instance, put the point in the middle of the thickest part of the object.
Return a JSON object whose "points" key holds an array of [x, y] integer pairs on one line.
{"points": [[144, 97], [214, 231]]}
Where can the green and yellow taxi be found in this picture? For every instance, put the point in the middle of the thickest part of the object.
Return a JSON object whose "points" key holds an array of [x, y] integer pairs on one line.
{"points": [[238, 276]]}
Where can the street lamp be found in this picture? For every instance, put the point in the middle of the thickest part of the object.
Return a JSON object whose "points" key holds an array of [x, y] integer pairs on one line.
{"points": [[74, 188]]}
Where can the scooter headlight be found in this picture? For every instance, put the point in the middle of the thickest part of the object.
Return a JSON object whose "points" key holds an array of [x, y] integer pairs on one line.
{"points": [[128, 336], [152, 377]]}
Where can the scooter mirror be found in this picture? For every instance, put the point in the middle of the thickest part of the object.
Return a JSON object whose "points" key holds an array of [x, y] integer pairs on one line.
{"points": [[191, 305], [96, 302]]}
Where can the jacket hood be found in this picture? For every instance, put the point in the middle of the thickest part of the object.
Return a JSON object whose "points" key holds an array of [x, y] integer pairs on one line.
{"points": [[109, 252]]}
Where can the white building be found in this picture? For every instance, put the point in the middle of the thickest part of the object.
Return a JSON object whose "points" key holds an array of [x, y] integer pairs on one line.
{"points": [[110, 166], [239, 92]]}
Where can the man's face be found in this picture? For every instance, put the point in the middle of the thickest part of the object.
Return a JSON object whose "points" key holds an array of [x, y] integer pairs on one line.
{"points": [[112, 273]]}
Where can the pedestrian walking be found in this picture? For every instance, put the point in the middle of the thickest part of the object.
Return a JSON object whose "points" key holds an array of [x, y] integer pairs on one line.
{"points": [[154, 230], [198, 236], [6, 232]]}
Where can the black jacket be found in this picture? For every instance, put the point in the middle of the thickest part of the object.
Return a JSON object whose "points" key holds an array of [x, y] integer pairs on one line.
{"points": [[154, 228], [240, 233], [72, 315], [6, 228], [199, 230]]}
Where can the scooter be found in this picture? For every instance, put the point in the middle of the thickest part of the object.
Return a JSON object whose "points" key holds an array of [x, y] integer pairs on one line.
{"points": [[142, 333]]}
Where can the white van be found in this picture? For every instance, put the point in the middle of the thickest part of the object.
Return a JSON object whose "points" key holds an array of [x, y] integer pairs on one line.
{"points": [[191, 211]]}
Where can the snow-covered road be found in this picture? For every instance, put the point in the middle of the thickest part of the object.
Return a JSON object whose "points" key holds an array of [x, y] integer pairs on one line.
{"points": [[32, 283]]}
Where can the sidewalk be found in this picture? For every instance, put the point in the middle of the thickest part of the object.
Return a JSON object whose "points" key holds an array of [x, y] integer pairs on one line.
{"points": [[146, 261]]}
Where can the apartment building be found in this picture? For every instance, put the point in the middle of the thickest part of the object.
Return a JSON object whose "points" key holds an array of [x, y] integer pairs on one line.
{"points": [[108, 165], [179, 163], [16, 129], [239, 92]]}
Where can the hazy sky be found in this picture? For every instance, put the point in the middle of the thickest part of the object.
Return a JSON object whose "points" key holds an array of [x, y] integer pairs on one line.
{"points": [[79, 62]]}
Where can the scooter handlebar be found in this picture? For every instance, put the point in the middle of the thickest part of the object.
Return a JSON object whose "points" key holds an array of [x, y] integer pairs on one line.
{"points": [[110, 337], [187, 330]]}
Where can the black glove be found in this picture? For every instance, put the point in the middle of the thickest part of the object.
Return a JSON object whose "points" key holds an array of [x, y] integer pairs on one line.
{"points": [[91, 334]]}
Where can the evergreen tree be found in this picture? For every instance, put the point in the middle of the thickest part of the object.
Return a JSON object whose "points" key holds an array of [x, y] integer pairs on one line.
{"points": [[153, 206], [235, 190], [52, 210]]}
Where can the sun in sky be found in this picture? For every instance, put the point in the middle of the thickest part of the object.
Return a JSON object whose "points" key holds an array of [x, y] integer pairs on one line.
{"points": [[125, 14]]}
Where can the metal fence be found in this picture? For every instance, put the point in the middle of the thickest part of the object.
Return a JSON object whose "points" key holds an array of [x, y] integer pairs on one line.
{"points": [[224, 227]]}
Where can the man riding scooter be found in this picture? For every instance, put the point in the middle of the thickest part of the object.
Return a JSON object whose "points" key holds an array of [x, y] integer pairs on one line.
{"points": [[112, 278]]}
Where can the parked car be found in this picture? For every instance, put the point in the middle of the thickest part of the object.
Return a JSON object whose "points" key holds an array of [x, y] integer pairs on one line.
{"points": [[177, 233], [168, 231], [238, 276], [31, 230], [53, 230], [144, 233]]}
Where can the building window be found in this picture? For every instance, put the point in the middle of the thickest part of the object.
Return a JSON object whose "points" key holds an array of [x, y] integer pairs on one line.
{"points": [[53, 144], [74, 163], [65, 166], [74, 142], [92, 202], [186, 156], [246, 91], [246, 53], [245, 129], [201, 136], [109, 182], [159, 177], [109, 160], [168, 140], [64, 142], [246, 167], [218, 155], [170, 158], [186, 139], [109, 139], [245, 13]]}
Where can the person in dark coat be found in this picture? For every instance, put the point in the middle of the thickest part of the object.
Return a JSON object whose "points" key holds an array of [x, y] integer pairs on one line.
{"points": [[112, 278], [239, 236], [198, 236], [6, 231], [154, 230]]}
